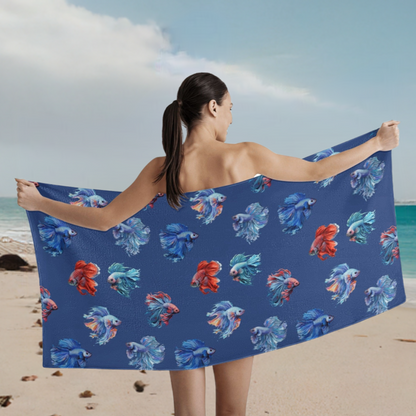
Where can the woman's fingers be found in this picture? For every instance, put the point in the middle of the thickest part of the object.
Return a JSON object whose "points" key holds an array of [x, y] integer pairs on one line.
{"points": [[25, 182]]}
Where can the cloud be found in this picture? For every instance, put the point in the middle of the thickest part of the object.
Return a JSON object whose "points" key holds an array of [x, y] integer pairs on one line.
{"points": [[77, 45]]}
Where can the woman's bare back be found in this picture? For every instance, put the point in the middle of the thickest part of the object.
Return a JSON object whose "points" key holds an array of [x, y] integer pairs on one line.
{"points": [[212, 166]]}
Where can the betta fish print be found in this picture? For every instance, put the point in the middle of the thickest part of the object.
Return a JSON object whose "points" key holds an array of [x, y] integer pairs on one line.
{"points": [[248, 225], [56, 234], [160, 308], [389, 245], [244, 267], [193, 354], [324, 243], [48, 305], [364, 180], [359, 225], [131, 235], [177, 240], [87, 198], [281, 285], [227, 318], [180, 289], [209, 205], [151, 204], [204, 278], [123, 279], [343, 279], [322, 155], [267, 337], [315, 323], [378, 297], [145, 354], [103, 325], [296, 209], [69, 354], [83, 277], [260, 183]]}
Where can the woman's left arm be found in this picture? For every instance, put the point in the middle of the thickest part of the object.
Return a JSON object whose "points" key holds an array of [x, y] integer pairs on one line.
{"points": [[122, 207]]}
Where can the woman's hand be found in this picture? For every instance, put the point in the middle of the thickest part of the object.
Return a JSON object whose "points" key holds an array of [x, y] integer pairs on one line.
{"points": [[388, 135], [28, 197]]}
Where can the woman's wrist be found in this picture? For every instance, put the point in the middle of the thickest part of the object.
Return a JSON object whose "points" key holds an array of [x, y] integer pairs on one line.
{"points": [[376, 143]]}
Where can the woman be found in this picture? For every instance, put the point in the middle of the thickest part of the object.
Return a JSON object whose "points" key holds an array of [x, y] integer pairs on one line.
{"points": [[204, 161]]}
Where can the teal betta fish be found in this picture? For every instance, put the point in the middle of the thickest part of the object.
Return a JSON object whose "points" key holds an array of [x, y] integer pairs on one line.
{"points": [[243, 268], [359, 225], [281, 285], [123, 279]]}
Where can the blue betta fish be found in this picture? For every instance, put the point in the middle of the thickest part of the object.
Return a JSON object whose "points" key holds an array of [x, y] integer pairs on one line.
{"points": [[364, 180], [69, 354], [268, 336], [87, 198], [193, 354], [146, 354], [122, 279], [259, 183], [227, 318], [281, 285], [377, 298], [389, 245], [296, 209], [160, 308], [177, 240], [243, 269], [56, 234], [131, 234], [209, 204], [344, 282], [322, 155], [103, 325], [359, 225], [248, 225], [314, 324]]}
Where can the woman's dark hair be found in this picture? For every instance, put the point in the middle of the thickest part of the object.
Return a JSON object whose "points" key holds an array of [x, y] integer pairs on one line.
{"points": [[195, 91]]}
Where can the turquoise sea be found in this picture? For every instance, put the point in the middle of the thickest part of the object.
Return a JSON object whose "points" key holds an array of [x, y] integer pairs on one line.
{"points": [[14, 224]]}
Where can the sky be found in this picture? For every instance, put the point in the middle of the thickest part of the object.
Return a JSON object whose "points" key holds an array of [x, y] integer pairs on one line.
{"points": [[84, 83]]}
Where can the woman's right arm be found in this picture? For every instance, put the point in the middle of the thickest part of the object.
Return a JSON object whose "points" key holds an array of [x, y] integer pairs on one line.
{"points": [[293, 169]]}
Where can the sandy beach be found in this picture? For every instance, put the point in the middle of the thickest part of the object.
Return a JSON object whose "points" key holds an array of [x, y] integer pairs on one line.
{"points": [[359, 370]]}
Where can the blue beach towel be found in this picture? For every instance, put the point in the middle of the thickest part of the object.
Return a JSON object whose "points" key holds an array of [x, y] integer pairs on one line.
{"points": [[239, 270]]}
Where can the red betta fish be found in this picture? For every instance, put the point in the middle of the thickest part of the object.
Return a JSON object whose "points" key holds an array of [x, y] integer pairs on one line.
{"points": [[48, 305], [205, 278], [83, 275], [323, 243]]}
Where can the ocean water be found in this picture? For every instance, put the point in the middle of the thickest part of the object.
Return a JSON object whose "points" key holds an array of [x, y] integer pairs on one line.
{"points": [[14, 224]]}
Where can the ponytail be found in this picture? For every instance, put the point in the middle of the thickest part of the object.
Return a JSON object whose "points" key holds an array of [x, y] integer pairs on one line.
{"points": [[172, 145]]}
